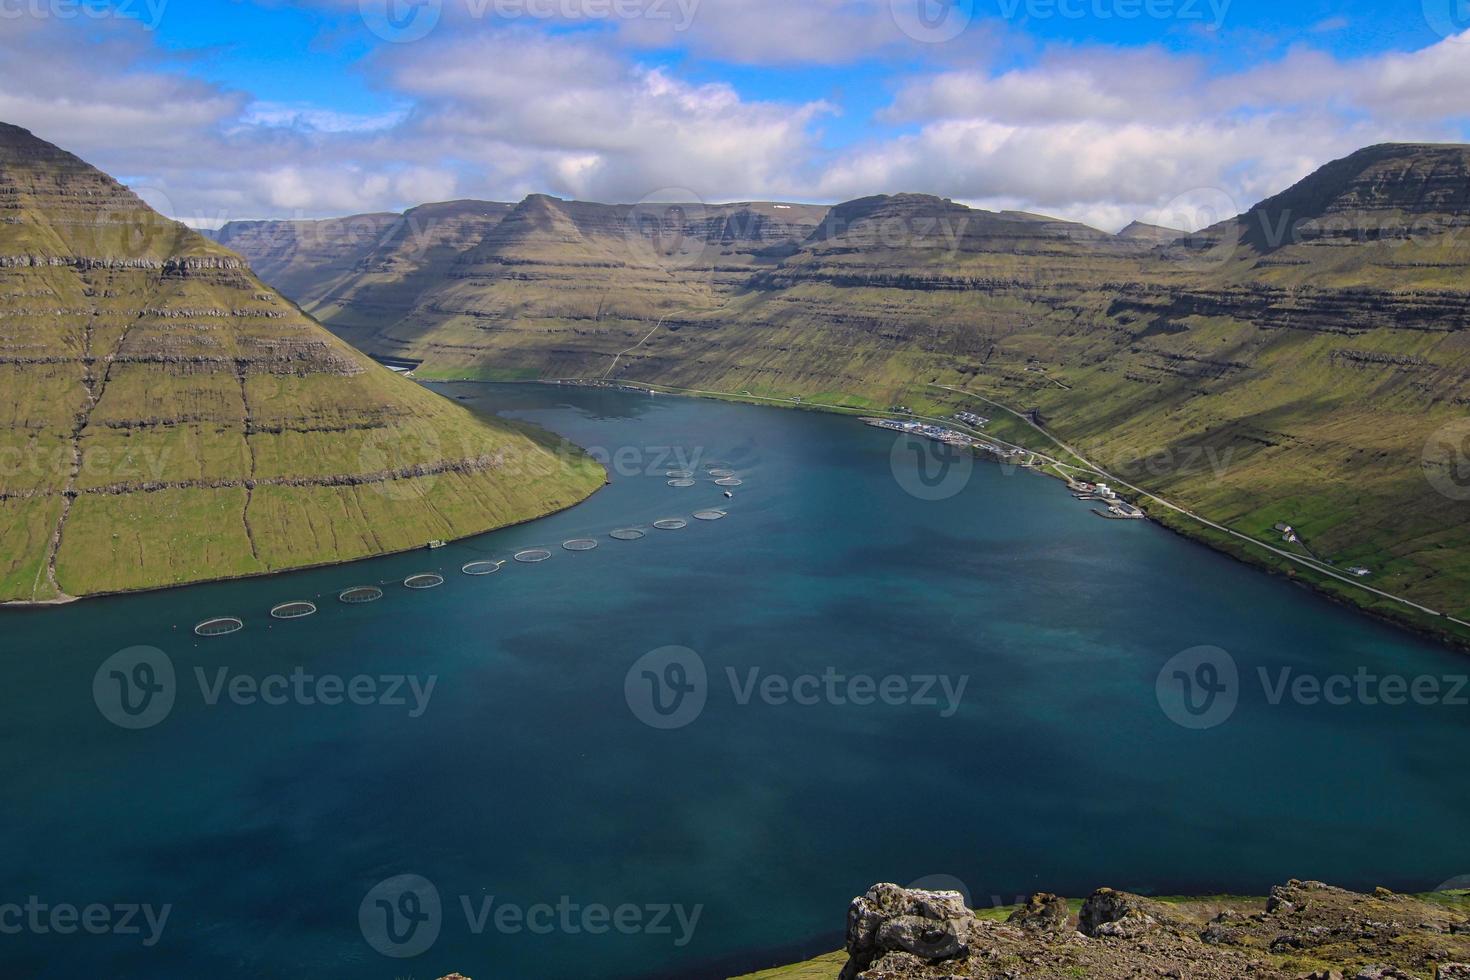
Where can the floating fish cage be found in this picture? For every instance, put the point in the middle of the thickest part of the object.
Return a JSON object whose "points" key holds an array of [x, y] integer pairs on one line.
{"points": [[710, 515], [532, 556], [627, 534], [482, 567], [681, 483], [673, 524], [721, 473], [294, 610], [219, 626], [729, 481], [424, 580], [579, 544], [680, 474], [361, 594]]}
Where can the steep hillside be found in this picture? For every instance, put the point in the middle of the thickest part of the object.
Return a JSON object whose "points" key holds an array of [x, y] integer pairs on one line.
{"points": [[1305, 363], [301, 258], [558, 286], [168, 418]]}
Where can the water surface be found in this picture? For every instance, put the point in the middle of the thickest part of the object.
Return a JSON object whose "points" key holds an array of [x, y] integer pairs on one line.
{"points": [[528, 777]]}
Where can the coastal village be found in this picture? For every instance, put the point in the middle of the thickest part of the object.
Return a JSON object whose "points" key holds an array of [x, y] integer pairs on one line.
{"points": [[1118, 509]]}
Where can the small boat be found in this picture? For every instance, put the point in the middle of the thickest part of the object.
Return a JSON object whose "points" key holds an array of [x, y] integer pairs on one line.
{"points": [[436, 545], [729, 494]]}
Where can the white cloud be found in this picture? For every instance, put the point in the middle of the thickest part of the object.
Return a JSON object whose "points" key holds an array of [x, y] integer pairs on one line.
{"points": [[1099, 134]]}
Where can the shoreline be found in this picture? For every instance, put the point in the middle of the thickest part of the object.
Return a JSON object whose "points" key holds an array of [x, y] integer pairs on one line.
{"points": [[46, 604], [1419, 625]]}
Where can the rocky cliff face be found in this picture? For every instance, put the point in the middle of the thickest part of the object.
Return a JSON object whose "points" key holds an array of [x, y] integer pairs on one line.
{"points": [[165, 417], [1304, 931]]}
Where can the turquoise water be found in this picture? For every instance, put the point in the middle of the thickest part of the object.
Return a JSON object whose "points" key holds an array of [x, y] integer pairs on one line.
{"points": [[528, 776]]}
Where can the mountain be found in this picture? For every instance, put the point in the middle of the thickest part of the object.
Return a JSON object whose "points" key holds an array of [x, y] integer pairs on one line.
{"points": [[1140, 231], [169, 418], [1304, 363], [570, 279], [297, 257]]}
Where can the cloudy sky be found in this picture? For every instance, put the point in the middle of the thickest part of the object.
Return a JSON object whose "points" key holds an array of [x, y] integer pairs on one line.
{"points": [[1100, 110]]}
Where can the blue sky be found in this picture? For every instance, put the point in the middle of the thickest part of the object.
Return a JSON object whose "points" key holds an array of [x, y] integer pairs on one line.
{"points": [[1102, 110]]}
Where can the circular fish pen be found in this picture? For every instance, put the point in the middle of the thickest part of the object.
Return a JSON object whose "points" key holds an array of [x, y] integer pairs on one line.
{"points": [[360, 595], [579, 544], [422, 581], [721, 472], [673, 524], [478, 568], [681, 483], [729, 481], [627, 534], [533, 556], [680, 474], [219, 626], [294, 610], [710, 515]]}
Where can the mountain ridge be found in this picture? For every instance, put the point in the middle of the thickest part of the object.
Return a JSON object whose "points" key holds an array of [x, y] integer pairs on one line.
{"points": [[168, 418]]}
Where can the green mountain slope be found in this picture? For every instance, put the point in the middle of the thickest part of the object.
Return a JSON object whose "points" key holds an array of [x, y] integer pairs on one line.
{"points": [[167, 418], [1305, 363]]}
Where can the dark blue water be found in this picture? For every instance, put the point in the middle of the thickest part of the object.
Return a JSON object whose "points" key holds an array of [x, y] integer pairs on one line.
{"points": [[528, 777]]}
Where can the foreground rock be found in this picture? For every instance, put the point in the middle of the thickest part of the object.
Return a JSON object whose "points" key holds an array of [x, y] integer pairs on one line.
{"points": [[1303, 930]]}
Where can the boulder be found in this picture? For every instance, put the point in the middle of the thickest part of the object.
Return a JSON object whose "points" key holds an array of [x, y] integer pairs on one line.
{"points": [[1043, 913], [1452, 971], [931, 926], [1119, 915]]}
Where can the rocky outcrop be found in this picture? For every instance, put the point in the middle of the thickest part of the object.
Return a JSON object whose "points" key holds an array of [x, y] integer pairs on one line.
{"points": [[1303, 931]]}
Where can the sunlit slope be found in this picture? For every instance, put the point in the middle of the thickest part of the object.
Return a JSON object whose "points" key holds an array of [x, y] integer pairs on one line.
{"points": [[1305, 363], [168, 418], [557, 288]]}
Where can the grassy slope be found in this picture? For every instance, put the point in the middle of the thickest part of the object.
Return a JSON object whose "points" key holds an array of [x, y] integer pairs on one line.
{"points": [[1255, 382], [201, 426]]}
